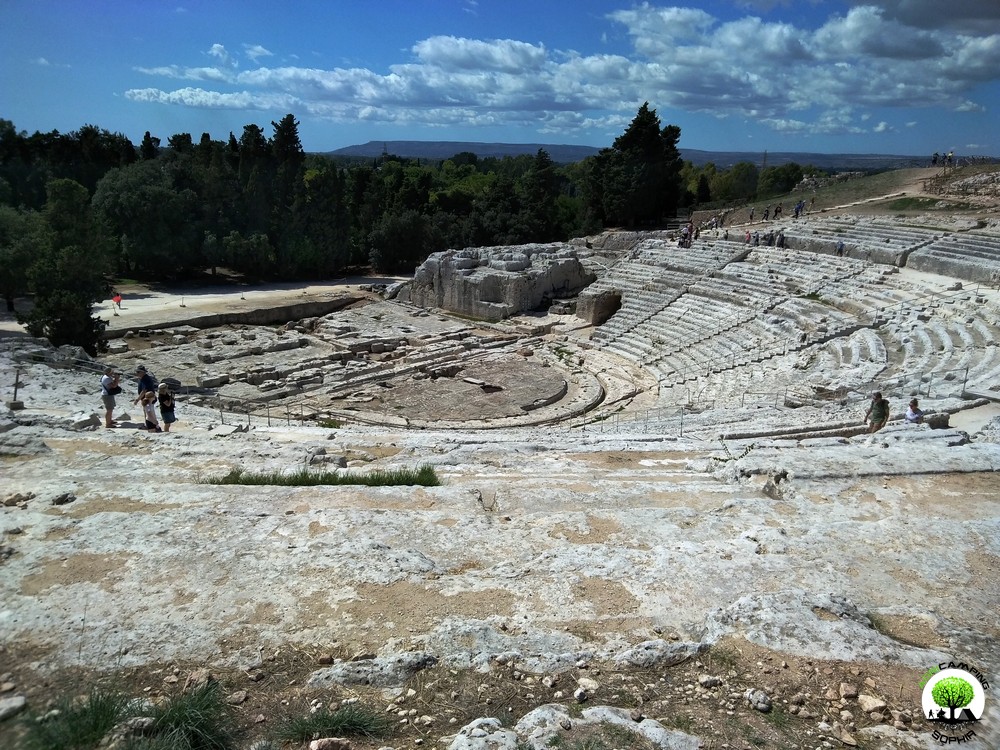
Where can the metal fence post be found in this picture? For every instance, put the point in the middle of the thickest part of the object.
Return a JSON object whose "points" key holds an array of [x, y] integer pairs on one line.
{"points": [[222, 414]]}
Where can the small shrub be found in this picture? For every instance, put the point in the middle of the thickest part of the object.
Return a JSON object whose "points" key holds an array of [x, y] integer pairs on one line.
{"points": [[345, 721], [79, 724], [330, 424], [198, 720]]}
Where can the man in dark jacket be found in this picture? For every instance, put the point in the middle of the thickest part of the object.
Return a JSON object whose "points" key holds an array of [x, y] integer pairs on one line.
{"points": [[146, 382]]}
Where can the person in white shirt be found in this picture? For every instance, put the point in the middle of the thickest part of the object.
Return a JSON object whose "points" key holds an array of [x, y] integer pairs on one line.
{"points": [[109, 387], [914, 414]]}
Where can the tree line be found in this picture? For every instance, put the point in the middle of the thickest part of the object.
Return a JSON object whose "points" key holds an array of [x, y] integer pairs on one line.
{"points": [[80, 209]]}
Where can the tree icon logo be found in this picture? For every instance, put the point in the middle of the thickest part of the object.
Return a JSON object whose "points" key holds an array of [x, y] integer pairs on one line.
{"points": [[953, 694]]}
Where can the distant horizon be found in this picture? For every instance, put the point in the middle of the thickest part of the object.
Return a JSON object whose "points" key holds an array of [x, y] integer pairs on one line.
{"points": [[823, 76], [680, 146]]}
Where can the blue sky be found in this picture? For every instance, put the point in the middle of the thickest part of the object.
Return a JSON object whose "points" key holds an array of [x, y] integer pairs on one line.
{"points": [[881, 76]]}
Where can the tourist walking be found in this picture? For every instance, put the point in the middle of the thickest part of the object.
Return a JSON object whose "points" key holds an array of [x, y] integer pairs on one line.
{"points": [[878, 413], [914, 414], [166, 399]]}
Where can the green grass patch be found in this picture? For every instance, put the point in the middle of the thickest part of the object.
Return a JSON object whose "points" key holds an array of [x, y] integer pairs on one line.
{"points": [[911, 203], [330, 424], [344, 721], [198, 720], [76, 725], [424, 476], [778, 718]]}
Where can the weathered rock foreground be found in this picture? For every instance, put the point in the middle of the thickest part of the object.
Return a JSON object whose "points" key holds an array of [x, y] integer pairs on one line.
{"points": [[534, 538], [592, 529]]}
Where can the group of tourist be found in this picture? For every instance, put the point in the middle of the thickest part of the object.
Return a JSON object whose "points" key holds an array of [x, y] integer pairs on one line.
{"points": [[689, 233], [149, 394], [771, 239], [878, 413], [945, 160]]}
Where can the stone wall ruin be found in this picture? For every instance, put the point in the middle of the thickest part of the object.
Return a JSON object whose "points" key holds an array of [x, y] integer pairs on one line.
{"points": [[494, 283]]}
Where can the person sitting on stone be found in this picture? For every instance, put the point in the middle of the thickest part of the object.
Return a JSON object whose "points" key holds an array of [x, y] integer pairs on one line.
{"points": [[914, 414]]}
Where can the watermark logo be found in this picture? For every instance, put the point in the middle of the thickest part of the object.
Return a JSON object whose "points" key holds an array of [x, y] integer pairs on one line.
{"points": [[954, 697]]}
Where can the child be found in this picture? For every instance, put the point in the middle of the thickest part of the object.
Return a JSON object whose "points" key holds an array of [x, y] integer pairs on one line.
{"points": [[166, 399], [149, 410], [914, 414]]}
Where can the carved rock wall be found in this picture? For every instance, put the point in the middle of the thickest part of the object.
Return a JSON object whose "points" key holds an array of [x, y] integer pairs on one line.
{"points": [[493, 283]]}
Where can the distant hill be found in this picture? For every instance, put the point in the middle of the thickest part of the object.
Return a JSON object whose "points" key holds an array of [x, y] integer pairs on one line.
{"points": [[563, 154]]}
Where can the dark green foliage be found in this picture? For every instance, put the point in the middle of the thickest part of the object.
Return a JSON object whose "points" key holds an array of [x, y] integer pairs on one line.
{"points": [[266, 209], [400, 242], [704, 193], [149, 148], [345, 721], [78, 725], [736, 184], [778, 180], [423, 476], [637, 180], [67, 273], [147, 209], [23, 237]]}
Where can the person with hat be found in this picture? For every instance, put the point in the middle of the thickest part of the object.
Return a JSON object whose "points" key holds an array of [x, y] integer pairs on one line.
{"points": [[166, 399], [914, 414], [146, 383]]}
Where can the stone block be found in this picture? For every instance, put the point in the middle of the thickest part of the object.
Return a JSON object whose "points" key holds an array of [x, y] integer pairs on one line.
{"points": [[85, 421], [212, 381]]}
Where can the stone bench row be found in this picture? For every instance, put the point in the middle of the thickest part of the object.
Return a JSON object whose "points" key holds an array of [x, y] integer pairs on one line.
{"points": [[970, 264], [861, 347]]}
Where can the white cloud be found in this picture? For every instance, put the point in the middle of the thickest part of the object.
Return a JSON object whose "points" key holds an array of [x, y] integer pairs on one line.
{"points": [[883, 127], [504, 55], [788, 78], [256, 51], [202, 99], [44, 62]]}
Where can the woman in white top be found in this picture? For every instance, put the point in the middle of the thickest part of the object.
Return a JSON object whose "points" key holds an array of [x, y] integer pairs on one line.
{"points": [[914, 414]]}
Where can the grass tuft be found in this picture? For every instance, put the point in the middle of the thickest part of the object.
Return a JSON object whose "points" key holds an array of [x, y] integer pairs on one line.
{"points": [[347, 720], [78, 724], [198, 720], [423, 475]]}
